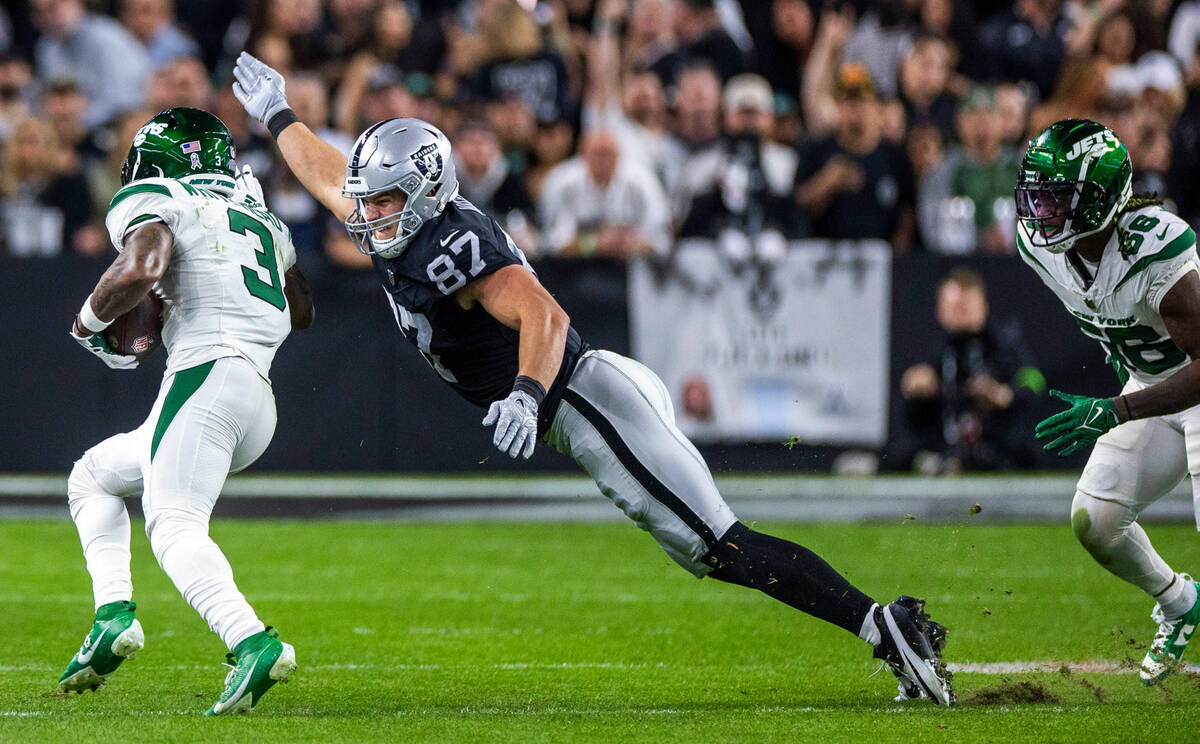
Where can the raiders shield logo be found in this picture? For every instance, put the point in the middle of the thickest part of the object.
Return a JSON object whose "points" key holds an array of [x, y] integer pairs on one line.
{"points": [[428, 161]]}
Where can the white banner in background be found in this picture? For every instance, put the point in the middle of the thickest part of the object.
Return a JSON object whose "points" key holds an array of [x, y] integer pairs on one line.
{"points": [[793, 348]]}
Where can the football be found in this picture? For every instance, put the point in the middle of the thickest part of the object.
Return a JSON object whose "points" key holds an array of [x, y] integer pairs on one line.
{"points": [[139, 331]]}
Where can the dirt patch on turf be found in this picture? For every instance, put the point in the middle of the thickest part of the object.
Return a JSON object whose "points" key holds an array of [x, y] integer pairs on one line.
{"points": [[1009, 693]]}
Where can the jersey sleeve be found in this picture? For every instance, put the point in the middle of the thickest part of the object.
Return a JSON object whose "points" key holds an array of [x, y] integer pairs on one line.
{"points": [[146, 200], [1170, 257]]}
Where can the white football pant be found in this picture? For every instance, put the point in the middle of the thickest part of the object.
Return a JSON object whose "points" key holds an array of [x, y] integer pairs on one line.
{"points": [[207, 421], [1131, 467], [616, 420]]}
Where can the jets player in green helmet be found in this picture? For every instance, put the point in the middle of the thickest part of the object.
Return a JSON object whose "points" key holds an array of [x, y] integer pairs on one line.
{"points": [[1126, 269], [193, 230]]}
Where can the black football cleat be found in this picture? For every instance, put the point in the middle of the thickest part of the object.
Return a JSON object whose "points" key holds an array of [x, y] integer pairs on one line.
{"points": [[911, 646]]}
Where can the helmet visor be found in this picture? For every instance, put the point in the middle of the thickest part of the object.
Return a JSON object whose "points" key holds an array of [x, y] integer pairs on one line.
{"points": [[1049, 208]]}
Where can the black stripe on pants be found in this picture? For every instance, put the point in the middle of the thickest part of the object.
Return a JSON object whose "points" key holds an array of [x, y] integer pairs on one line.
{"points": [[647, 480]]}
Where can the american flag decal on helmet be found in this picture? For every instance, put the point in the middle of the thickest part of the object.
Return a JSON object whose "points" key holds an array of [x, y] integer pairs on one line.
{"points": [[193, 146]]}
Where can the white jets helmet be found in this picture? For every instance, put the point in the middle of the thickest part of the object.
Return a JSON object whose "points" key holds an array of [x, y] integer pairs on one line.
{"points": [[406, 154]]}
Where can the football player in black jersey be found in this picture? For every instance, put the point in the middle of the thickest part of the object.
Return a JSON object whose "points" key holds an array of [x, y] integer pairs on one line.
{"points": [[464, 295]]}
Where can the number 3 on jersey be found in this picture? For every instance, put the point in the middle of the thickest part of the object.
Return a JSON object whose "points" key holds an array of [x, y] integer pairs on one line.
{"points": [[272, 293], [442, 269]]}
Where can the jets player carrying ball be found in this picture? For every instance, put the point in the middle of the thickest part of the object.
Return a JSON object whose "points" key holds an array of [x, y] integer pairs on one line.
{"points": [[462, 293], [192, 229], [1126, 270]]}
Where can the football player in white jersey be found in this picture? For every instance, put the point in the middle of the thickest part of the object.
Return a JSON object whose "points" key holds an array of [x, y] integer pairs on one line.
{"points": [[1126, 269], [190, 228]]}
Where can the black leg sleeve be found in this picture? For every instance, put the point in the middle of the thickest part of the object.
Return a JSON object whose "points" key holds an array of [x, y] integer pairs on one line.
{"points": [[790, 573]]}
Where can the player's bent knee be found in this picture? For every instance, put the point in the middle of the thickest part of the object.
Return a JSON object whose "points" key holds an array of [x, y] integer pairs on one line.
{"points": [[1099, 525]]}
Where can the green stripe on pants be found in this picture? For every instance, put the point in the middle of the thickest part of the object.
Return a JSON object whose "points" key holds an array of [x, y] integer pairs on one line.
{"points": [[186, 382]]}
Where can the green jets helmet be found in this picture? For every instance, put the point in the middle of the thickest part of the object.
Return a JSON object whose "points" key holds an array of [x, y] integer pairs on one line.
{"points": [[178, 142], [1075, 178]]}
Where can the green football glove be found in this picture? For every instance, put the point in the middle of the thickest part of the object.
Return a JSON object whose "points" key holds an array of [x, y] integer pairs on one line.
{"points": [[1079, 426]]}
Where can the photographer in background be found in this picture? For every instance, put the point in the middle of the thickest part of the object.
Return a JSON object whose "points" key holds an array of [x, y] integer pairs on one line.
{"points": [[744, 181], [968, 412]]}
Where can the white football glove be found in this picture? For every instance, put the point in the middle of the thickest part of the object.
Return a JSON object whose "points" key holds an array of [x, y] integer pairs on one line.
{"points": [[96, 344], [247, 182], [516, 420], [259, 88]]}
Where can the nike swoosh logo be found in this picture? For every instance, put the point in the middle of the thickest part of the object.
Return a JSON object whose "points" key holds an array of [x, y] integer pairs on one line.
{"points": [[85, 651], [1163, 235], [447, 239], [241, 690]]}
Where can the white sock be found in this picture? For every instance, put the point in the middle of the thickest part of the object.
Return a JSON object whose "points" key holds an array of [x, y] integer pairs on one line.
{"points": [[1177, 598], [869, 631], [103, 525], [203, 576]]}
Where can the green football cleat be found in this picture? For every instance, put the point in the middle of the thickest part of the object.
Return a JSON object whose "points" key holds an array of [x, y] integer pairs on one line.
{"points": [[116, 635], [1166, 651], [256, 664]]}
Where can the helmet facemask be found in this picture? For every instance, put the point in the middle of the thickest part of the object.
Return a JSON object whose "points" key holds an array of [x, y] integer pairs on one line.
{"points": [[406, 220]]}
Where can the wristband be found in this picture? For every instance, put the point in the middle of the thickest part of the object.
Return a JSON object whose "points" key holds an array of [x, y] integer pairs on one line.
{"points": [[280, 121], [530, 387], [88, 320], [1121, 402]]}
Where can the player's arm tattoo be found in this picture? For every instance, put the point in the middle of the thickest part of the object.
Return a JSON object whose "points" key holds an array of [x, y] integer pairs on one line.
{"points": [[142, 262], [1180, 310], [299, 298]]}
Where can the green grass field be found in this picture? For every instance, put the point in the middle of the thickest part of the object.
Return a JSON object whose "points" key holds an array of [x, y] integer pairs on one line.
{"points": [[537, 632]]}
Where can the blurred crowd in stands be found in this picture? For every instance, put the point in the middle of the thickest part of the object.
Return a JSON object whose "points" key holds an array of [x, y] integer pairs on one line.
{"points": [[614, 128]]}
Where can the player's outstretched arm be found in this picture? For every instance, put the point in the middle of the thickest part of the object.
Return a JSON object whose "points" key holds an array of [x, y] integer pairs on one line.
{"points": [[142, 262], [299, 298], [317, 164]]}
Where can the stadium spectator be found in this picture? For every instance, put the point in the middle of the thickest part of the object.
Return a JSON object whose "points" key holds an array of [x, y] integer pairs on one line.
{"points": [[16, 92], [783, 32], [634, 109], [701, 37], [486, 180], [966, 202], [924, 83], [852, 183], [878, 40], [64, 106], [925, 147], [599, 203], [745, 181], [287, 31], [46, 204], [651, 34], [109, 63], [153, 23], [513, 62], [968, 410], [1012, 101], [697, 103], [817, 82], [1185, 143], [1025, 42], [1184, 36], [181, 82]]}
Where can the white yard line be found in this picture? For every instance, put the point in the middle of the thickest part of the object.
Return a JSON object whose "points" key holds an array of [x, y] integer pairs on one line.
{"points": [[1043, 667]]}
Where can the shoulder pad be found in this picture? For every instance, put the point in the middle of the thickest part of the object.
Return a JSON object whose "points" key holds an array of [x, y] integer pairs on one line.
{"points": [[148, 187]]}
